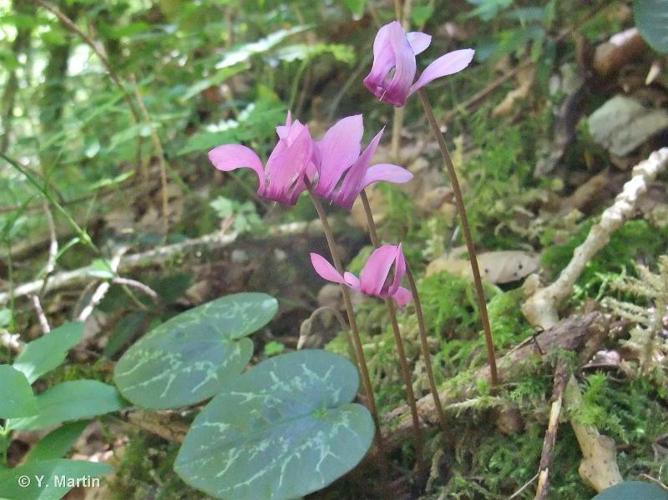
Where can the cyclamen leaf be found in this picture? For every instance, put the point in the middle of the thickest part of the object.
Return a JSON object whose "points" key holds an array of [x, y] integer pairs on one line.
{"points": [[284, 429], [75, 400], [16, 396], [633, 489], [48, 352], [193, 355], [652, 20]]}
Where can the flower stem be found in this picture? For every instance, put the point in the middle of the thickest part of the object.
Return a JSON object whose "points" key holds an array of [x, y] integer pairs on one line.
{"points": [[424, 345], [406, 375], [470, 246], [357, 342]]}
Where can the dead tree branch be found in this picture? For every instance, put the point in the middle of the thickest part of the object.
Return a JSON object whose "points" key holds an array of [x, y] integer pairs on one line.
{"points": [[541, 309]]}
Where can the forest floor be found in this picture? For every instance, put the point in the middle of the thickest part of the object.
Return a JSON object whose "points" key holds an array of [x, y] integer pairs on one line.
{"points": [[545, 141]]}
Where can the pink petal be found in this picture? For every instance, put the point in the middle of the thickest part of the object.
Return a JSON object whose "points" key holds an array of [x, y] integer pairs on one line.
{"points": [[405, 67], [391, 50], [375, 271], [402, 296], [448, 64], [352, 280], [399, 270], [233, 156], [338, 150], [325, 270], [386, 172], [352, 182], [419, 41], [287, 166]]}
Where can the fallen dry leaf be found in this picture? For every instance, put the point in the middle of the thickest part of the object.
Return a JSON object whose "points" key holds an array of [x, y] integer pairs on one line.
{"points": [[498, 267]]}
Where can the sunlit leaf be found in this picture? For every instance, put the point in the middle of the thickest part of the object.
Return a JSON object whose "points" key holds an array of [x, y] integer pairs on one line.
{"points": [[67, 401], [652, 20], [16, 396], [284, 429], [47, 352], [193, 355]]}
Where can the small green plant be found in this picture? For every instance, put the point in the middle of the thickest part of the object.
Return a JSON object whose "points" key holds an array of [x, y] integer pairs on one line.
{"points": [[70, 405], [243, 215]]}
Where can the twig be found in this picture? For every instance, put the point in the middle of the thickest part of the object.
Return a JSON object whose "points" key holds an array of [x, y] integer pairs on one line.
{"points": [[71, 26], [147, 290], [103, 288], [560, 380], [541, 309], [156, 257], [524, 487], [53, 247], [599, 461], [43, 322]]}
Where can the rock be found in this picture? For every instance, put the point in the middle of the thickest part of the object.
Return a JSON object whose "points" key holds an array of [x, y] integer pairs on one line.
{"points": [[622, 124]]}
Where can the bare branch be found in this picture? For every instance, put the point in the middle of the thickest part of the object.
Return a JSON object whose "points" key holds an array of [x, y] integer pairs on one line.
{"points": [[541, 309]]}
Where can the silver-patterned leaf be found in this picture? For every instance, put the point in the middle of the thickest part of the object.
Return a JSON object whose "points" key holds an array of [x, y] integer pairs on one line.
{"points": [[284, 429], [190, 357]]}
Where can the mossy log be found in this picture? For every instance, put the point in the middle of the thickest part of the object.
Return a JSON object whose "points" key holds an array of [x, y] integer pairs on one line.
{"points": [[582, 334]]}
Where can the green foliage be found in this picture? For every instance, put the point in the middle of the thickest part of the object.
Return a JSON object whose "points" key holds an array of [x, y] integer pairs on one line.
{"points": [[284, 429], [635, 239], [243, 214], [16, 397], [56, 443], [650, 17], [48, 352], [76, 400], [193, 355], [145, 470], [500, 182]]}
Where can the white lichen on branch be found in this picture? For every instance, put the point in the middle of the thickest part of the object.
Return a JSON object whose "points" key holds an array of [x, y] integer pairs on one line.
{"points": [[542, 308]]}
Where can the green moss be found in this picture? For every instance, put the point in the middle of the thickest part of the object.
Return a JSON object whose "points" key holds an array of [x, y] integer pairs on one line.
{"points": [[145, 471], [636, 239]]}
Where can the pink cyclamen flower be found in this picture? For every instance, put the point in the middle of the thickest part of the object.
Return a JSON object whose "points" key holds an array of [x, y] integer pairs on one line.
{"points": [[342, 172], [392, 76], [282, 179], [375, 278]]}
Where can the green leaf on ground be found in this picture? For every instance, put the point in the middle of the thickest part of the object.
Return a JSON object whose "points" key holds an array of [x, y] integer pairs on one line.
{"points": [[56, 443], [16, 396], [284, 429], [48, 352], [75, 400], [652, 21], [193, 355]]}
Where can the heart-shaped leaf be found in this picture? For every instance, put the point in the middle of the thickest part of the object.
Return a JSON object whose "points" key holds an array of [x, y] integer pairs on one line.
{"points": [[282, 430], [652, 21], [73, 400], [633, 490], [192, 356], [49, 479], [16, 396], [48, 352]]}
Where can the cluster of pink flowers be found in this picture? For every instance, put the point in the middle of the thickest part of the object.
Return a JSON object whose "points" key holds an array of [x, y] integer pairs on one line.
{"points": [[335, 168]]}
